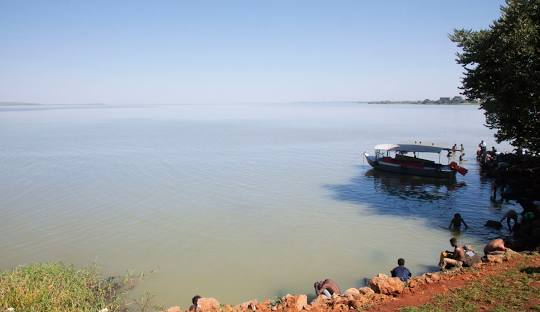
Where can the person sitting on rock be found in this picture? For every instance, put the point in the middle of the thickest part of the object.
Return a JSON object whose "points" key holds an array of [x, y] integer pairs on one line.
{"points": [[452, 258], [495, 247], [455, 224], [511, 215], [327, 288], [401, 271], [194, 300]]}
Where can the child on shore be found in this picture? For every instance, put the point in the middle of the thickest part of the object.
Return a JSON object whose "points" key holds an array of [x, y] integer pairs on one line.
{"points": [[401, 271]]}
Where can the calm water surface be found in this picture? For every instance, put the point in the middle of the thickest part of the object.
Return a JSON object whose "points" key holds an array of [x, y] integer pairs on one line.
{"points": [[232, 201]]}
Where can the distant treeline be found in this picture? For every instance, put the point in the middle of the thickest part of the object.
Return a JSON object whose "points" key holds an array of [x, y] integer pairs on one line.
{"points": [[443, 101]]}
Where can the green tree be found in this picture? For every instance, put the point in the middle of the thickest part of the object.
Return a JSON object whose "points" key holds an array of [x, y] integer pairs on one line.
{"points": [[502, 72]]}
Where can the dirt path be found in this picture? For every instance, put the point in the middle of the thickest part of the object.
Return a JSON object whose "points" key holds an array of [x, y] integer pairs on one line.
{"points": [[425, 293]]}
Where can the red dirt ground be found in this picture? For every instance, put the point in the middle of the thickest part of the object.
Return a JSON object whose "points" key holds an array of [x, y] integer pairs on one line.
{"points": [[424, 293]]}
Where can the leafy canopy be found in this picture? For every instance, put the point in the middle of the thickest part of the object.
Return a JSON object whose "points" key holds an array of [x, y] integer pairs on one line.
{"points": [[502, 72]]}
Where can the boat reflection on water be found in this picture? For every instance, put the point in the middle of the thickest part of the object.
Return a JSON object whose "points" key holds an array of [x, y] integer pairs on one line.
{"points": [[412, 187]]}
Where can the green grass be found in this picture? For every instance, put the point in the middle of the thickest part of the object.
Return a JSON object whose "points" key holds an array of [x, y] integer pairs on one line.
{"points": [[512, 290], [57, 287]]}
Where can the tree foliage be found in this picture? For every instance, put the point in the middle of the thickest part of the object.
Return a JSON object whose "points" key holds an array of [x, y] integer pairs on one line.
{"points": [[502, 72]]}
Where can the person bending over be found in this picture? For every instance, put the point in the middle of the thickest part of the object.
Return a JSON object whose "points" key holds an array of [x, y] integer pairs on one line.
{"points": [[401, 271], [511, 215], [327, 288], [494, 247]]}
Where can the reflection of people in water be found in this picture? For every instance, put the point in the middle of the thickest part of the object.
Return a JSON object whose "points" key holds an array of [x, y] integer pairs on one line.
{"points": [[494, 188], [455, 186], [456, 222]]}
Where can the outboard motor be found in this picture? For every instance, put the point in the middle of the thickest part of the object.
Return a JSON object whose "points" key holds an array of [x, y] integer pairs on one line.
{"points": [[454, 166]]}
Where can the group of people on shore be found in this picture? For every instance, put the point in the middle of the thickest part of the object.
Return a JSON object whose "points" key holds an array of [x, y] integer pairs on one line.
{"points": [[465, 256], [460, 256], [328, 287]]}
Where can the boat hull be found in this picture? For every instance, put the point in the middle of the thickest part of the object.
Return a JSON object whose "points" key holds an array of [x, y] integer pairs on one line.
{"points": [[443, 172]]}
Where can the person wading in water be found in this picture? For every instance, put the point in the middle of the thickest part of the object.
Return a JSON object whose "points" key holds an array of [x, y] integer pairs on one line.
{"points": [[456, 222]]}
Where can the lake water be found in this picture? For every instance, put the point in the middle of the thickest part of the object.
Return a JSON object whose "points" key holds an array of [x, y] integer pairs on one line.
{"points": [[232, 201]]}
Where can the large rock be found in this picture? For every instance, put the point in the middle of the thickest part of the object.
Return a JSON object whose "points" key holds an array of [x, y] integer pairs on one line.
{"points": [[359, 302], [207, 305], [365, 291], [264, 306], [297, 302], [250, 305], [340, 300], [434, 276], [495, 258], [320, 300], [352, 291], [416, 281], [383, 284]]}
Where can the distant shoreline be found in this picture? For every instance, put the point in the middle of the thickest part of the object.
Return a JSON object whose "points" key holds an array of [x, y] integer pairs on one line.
{"points": [[11, 104], [418, 103], [18, 104], [41, 104]]}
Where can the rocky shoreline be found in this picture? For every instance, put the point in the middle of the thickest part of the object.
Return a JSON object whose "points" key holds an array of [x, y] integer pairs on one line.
{"points": [[381, 289]]}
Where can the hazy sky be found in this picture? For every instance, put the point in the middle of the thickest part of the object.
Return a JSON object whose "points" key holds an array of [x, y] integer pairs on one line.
{"points": [[145, 52]]}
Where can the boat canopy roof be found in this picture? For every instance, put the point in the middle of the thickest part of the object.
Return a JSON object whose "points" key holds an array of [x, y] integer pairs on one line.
{"points": [[411, 148]]}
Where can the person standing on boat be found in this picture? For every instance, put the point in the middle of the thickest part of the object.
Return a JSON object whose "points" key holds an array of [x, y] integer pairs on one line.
{"points": [[482, 145], [483, 149], [456, 222]]}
